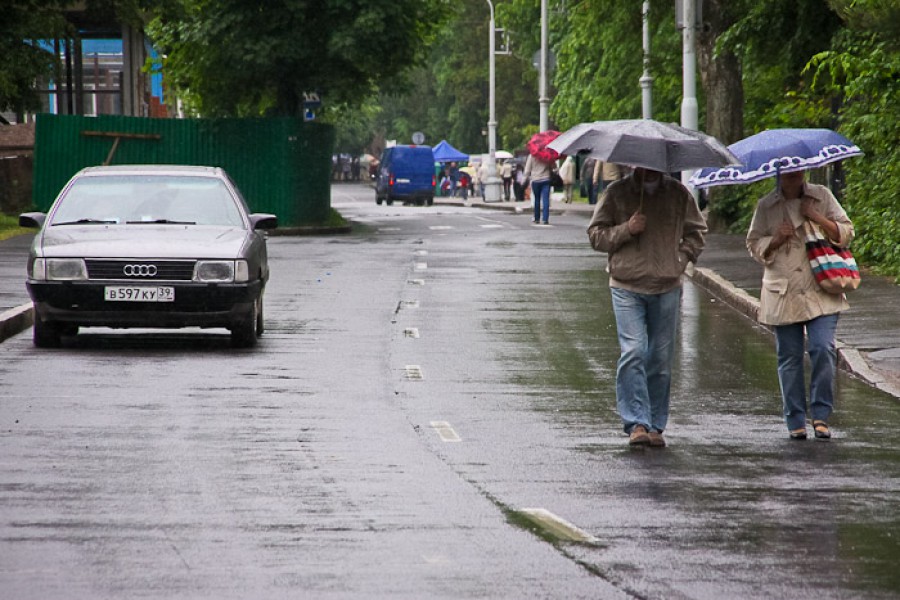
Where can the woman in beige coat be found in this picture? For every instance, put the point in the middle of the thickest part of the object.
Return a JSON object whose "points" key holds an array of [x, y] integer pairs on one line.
{"points": [[792, 302]]}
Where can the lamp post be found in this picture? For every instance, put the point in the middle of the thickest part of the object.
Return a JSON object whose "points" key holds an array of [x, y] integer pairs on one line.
{"points": [[543, 99], [689, 76], [646, 80], [492, 184]]}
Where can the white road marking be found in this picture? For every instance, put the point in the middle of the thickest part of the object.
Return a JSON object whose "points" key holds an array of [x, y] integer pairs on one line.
{"points": [[409, 303], [421, 266], [414, 373], [421, 252], [411, 332], [440, 227], [558, 526], [445, 431], [491, 226], [416, 281]]}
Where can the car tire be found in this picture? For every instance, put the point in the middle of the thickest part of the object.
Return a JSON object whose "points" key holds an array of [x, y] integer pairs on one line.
{"points": [[429, 201], [260, 320], [47, 334], [243, 333], [378, 200]]}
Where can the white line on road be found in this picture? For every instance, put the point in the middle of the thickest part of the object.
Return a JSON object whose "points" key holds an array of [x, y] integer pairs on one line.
{"points": [[411, 332], [557, 526], [421, 266], [416, 281], [440, 227], [445, 431], [414, 373]]}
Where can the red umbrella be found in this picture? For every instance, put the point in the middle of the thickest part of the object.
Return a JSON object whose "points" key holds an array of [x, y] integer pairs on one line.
{"points": [[537, 145]]}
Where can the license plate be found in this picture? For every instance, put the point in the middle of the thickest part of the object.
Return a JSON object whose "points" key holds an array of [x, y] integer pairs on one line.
{"points": [[139, 294]]}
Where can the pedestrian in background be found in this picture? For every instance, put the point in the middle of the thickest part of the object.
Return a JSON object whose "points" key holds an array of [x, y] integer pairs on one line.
{"points": [[506, 173], [649, 225], [590, 176], [519, 183], [792, 302], [538, 172], [567, 175], [609, 172]]}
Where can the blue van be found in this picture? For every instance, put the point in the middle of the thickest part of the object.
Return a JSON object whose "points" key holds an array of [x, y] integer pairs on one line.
{"points": [[406, 173]]}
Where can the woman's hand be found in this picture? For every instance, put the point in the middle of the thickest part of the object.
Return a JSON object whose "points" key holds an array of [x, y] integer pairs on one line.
{"points": [[782, 235], [808, 210]]}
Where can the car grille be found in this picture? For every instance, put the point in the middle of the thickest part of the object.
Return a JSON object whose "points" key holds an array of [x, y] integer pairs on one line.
{"points": [[141, 270]]}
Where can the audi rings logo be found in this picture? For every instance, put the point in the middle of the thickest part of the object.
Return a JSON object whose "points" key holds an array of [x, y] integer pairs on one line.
{"points": [[139, 270]]}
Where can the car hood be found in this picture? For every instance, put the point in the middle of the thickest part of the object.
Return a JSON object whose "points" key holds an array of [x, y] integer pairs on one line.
{"points": [[156, 241]]}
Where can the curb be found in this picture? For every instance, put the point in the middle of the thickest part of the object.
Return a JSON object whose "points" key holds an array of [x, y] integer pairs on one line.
{"points": [[16, 320], [849, 358]]}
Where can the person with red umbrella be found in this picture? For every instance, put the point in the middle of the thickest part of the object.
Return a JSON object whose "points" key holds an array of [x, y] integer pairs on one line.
{"points": [[538, 170]]}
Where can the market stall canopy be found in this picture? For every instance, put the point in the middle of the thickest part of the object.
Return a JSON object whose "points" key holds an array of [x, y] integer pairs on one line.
{"points": [[444, 152]]}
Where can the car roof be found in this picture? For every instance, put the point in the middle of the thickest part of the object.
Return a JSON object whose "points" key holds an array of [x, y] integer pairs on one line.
{"points": [[190, 170]]}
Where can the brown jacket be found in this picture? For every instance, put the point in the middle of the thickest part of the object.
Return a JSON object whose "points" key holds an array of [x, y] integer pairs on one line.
{"points": [[789, 291], [653, 261]]}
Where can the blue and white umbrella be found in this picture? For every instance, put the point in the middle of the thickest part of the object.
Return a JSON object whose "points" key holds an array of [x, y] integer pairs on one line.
{"points": [[775, 151]]}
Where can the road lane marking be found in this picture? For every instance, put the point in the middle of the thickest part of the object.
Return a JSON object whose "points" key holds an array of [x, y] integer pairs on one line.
{"points": [[411, 332], [416, 281], [556, 526], [491, 226], [421, 252], [421, 266], [440, 227], [409, 304], [445, 431], [414, 373]]}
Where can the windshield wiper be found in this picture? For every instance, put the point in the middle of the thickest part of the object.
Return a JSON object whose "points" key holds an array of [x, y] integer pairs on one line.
{"points": [[161, 222], [88, 222]]}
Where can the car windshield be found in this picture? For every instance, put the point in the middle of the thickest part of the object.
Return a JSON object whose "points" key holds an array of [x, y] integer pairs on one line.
{"points": [[145, 199]]}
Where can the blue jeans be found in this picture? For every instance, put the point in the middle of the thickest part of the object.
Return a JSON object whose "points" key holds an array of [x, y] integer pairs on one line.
{"points": [[646, 324], [822, 355], [540, 192]]}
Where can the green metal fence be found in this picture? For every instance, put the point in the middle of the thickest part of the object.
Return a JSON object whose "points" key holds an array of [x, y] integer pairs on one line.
{"points": [[282, 166]]}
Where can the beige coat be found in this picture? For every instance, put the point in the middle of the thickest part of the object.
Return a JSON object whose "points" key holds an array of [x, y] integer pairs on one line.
{"points": [[789, 291], [653, 261]]}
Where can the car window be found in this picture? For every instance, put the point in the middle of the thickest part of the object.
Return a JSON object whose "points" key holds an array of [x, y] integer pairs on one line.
{"points": [[139, 199]]}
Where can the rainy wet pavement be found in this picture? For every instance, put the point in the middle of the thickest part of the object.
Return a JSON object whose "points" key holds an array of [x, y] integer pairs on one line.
{"points": [[423, 385]]}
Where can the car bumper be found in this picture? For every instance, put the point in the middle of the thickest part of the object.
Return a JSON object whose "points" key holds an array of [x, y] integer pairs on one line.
{"points": [[195, 305]]}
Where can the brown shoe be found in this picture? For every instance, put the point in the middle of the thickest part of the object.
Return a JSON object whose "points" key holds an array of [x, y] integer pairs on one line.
{"points": [[639, 436], [657, 439]]}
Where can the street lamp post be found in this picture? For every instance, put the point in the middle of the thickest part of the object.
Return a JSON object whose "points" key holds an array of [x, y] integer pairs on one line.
{"points": [[689, 76], [492, 184], [646, 80], [543, 99]]}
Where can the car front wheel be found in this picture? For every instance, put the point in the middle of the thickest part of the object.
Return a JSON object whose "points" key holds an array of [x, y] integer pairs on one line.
{"points": [[244, 332], [46, 334]]}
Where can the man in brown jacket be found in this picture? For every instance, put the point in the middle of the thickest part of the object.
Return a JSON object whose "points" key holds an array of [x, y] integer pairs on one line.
{"points": [[651, 228]]}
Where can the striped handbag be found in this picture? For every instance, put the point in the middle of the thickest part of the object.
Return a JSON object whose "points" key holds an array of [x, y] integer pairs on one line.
{"points": [[834, 267]]}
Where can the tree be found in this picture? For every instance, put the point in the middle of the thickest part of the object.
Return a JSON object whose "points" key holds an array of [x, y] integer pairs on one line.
{"points": [[24, 23], [243, 57]]}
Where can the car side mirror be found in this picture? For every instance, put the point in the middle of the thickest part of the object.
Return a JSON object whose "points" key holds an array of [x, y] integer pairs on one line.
{"points": [[263, 221], [32, 219]]}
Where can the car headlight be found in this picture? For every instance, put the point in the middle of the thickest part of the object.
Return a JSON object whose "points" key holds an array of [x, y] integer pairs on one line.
{"points": [[221, 271], [59, 269]]}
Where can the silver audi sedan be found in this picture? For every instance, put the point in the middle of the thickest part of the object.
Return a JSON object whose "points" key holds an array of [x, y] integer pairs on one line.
{"points": [[148, 246]]}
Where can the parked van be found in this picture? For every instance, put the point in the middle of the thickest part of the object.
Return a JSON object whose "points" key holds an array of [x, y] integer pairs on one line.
{"points": [[406, 173]]}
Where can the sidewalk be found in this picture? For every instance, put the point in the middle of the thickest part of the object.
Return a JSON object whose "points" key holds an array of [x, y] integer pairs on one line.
{"points": [[868, 334]]}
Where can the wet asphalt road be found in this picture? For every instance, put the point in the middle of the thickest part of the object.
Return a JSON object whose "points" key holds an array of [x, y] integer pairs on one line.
{"points": [[423, 384]]}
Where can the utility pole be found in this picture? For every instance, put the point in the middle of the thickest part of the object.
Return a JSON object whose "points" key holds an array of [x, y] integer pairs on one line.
{"points": [[543, 99], [689, 73], [646, 80], [492, 184]]}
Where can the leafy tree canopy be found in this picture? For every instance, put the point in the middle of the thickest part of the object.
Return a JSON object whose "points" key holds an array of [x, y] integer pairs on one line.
{"points": [[245, 57]]}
